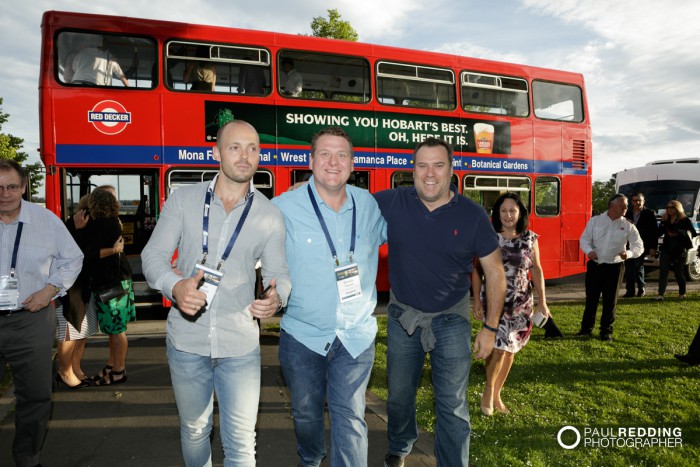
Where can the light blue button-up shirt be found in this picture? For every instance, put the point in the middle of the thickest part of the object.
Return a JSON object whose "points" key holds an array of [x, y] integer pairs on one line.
{"points": [[47, 253], [315, 316]]}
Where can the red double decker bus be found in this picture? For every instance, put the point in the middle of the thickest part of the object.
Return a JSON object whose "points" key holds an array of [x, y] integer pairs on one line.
{"points": [[514, 127]]}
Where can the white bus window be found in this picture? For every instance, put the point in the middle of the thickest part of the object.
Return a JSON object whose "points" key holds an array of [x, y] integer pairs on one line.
{"points": [[500, 95], [485, 189], [88, 59], [415, 86], [262, 179], [220, 68], [309, 75], [182, 177], [547, 191], [555, 101]]}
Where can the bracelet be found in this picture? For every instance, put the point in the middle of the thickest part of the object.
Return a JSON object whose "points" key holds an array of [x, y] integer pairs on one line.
{"points": [[489, 328]]}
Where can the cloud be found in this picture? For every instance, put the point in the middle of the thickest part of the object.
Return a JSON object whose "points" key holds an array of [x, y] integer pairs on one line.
{"points": [[640, 58]]}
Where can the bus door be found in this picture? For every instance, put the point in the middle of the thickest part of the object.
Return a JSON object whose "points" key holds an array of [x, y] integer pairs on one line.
{"points": [[137, 193]]}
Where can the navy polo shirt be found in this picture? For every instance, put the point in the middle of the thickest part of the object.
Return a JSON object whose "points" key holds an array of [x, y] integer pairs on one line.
{"points": [[431, 254]]}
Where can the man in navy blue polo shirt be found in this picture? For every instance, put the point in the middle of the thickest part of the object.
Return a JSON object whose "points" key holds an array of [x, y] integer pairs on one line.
{"points": [[434, 235]]}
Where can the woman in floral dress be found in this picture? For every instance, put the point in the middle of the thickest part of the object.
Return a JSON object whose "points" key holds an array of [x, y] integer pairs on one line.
{"points": [[521, 256]]}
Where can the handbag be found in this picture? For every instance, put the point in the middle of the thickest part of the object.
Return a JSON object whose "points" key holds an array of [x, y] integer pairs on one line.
{"points": [[115, 291]]}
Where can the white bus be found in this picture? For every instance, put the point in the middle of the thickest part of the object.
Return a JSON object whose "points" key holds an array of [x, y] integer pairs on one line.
{"points": [[660, 182]]}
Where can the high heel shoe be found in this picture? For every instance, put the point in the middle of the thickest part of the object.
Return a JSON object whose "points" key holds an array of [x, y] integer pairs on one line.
{"points": [[59, 381]]}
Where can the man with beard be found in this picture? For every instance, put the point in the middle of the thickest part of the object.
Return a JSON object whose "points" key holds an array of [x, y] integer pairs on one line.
{"points": [[212, 337]]}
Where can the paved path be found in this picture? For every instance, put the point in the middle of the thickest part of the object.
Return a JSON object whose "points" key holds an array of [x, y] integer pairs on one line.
{"points": [[136, 423]]}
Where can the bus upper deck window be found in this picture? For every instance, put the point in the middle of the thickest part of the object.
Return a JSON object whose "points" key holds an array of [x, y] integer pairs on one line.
{"points": [[322, 76], [415, 86], [556, 101], [499, 95], [93, 59], [219, 68]]}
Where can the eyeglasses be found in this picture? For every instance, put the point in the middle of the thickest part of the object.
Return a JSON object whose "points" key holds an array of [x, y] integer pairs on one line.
{"points": [[10, 188]]}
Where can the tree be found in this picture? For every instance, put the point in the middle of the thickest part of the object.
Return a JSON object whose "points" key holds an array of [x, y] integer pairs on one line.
{"points": [[10, 149], [602, 192], [333, 27]]}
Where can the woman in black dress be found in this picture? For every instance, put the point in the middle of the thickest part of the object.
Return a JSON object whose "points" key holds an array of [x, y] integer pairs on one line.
{"points": [[112, 269], [678, 232]]}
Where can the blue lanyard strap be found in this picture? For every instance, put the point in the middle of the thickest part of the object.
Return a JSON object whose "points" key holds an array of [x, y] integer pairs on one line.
{"points": [[325, 229], [13, 265], [236, 232]]}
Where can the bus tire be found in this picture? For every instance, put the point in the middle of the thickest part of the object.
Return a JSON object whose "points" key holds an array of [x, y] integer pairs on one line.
{"points": [[692, 269]]}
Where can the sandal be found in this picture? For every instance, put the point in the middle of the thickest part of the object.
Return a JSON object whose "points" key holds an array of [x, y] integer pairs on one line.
{"points": [[101, 375], [109, 378]]}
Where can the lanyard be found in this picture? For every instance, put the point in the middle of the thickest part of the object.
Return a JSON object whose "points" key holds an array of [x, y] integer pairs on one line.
{"points": [[325, 229], [205, 226], [14, 251]]}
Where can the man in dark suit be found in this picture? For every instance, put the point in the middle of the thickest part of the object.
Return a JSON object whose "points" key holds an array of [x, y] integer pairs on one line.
{"points": [[645, 221]]}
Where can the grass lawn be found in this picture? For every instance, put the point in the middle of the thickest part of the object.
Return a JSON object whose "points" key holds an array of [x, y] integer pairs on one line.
{"points": [[590, 385]]}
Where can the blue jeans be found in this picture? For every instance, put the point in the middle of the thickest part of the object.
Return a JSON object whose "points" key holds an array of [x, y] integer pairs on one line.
{"points": [[450, 361], [236, 382], [342, 380]]}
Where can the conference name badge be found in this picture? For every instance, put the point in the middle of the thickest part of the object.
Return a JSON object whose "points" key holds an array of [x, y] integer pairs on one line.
{"points": [[210, 282], [347, 279], [9, 293]]}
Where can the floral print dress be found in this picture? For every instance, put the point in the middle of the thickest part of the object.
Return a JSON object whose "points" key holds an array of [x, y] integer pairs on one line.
{"points": [[516, 324]]}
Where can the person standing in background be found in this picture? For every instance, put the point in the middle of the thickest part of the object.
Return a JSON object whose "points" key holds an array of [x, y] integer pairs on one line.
{"points": [[645, 220], [604, 241], [678, 232]]}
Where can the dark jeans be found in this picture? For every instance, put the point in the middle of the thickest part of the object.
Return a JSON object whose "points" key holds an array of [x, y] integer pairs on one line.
{"points": [[601, 279], [677, 263], [634, 274]]}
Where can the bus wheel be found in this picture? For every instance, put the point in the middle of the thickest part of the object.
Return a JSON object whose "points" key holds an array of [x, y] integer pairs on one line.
{"points": [[692, 270]]}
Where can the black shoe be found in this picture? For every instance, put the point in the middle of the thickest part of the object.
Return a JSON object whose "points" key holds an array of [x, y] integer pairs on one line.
{"points": [[688, 359], [110, 378], [628, 295], [583, 333], [392, 460], [81, 384], [641, 293], [606, 337]]}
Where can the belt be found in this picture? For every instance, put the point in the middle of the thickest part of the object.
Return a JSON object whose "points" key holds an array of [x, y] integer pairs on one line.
{"points": [[12, 312]]}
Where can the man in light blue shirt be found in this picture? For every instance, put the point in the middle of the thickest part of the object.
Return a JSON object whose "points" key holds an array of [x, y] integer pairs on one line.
{"points": [[39, 260], [326, 349]]}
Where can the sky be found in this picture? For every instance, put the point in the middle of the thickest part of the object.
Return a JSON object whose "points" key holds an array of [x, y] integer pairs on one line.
{"points": [[640, 58]]}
